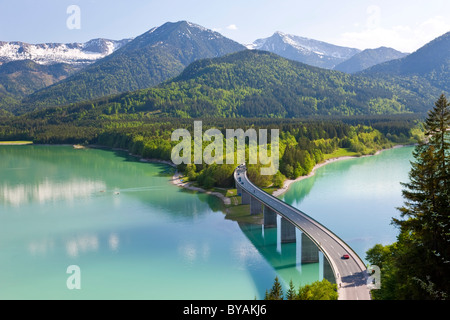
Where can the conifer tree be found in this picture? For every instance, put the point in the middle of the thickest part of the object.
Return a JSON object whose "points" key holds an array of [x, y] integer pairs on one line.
{"points": [[276, 293], [291, 294], [427, 208]]}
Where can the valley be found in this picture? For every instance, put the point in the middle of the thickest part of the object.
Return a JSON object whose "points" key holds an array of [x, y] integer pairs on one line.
{"points": [[92, 163]]}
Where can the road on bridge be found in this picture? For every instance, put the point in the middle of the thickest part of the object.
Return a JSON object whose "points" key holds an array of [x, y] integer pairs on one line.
{"points": [[350, 274]]}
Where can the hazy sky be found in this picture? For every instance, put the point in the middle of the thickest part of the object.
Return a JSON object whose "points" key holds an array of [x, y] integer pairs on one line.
{"points": [[403, 25]]}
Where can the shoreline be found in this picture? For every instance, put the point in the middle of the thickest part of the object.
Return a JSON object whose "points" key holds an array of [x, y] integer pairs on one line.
{"points": [[288, 182], [141, 159], [15, 143], [177, 177], [177, 181]]}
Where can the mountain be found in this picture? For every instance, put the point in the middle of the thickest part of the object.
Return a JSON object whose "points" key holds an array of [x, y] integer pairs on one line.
{"points": [[368, 58], [151, 58], [430, 63], [53, 53], [23, 77], [26, 68], [309, 51], [251, 84]]}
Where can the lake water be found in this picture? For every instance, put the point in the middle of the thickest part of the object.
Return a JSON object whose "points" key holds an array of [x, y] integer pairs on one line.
{"points": [[134, 235], [356, 198]]}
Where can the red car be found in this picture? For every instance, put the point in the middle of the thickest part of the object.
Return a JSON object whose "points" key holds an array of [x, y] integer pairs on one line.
{"points": [[345, 256]]}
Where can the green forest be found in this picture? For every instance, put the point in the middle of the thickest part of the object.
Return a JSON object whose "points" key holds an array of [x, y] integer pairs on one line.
{"points": [[249, 84], [303, 142], [318, 290], [416, 266]]}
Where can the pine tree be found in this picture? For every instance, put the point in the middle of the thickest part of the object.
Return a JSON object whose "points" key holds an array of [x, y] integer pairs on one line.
{"points": [[427, 208], [291, 294], [266, 295], [276, 293]]}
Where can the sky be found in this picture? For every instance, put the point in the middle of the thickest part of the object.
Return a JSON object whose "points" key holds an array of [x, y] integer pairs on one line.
{"points": [[362, 24]]}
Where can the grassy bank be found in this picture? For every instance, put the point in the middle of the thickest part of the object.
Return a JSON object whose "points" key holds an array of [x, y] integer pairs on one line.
{"points": [[341, 152], [15, 143]]}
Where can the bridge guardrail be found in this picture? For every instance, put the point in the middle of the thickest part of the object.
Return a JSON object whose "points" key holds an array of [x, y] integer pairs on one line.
{"points": [[341, 242]]}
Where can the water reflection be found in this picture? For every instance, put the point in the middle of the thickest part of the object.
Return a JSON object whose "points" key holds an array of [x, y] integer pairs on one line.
{"points": [[191, 252], [246, 253], [41, 247], [113, 241], [298, 260], [49, 191], [152, 237], [74, 246], [46, 174], [81, 244], [299, 191]]}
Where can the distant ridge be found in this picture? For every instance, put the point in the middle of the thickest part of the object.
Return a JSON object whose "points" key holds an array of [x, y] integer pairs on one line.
{"points": [[313, 52], [53, 53], [369, 58], [253, 84], [431, 62], [149, 59]]}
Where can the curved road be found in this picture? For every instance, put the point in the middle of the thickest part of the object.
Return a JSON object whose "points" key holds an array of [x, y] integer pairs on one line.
{"points": [[350, 274]]}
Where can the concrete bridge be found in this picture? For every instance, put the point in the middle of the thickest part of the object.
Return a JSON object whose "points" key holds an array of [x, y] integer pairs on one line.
{"points": [[288, 258], [349, 274]]}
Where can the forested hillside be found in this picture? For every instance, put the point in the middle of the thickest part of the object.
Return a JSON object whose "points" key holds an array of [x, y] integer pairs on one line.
{"points": [[155, 56], [21, 78], [256, 84], [430, 63]]}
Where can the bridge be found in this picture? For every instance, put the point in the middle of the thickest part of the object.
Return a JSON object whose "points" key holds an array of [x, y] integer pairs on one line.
{"points": [[350, 274]]}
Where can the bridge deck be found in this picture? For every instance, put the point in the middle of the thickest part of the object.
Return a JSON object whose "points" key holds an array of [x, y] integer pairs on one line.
{"points": [[350, 274]]}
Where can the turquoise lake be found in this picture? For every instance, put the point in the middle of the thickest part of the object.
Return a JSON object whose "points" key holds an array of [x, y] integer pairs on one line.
{"points": [[134, 235], [356, 198]]}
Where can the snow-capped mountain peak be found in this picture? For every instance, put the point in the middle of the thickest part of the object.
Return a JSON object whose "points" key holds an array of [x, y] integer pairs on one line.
{"points": [[52, 53], [313, 52]]}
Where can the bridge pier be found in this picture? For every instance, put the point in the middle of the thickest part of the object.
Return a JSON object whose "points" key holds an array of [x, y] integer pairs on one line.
{"points": [[270, 217], [287, 231], [255, 206], [310, 252], [327, 271], [284, 239], [245, 197], [270, 238], [238, 189]]}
